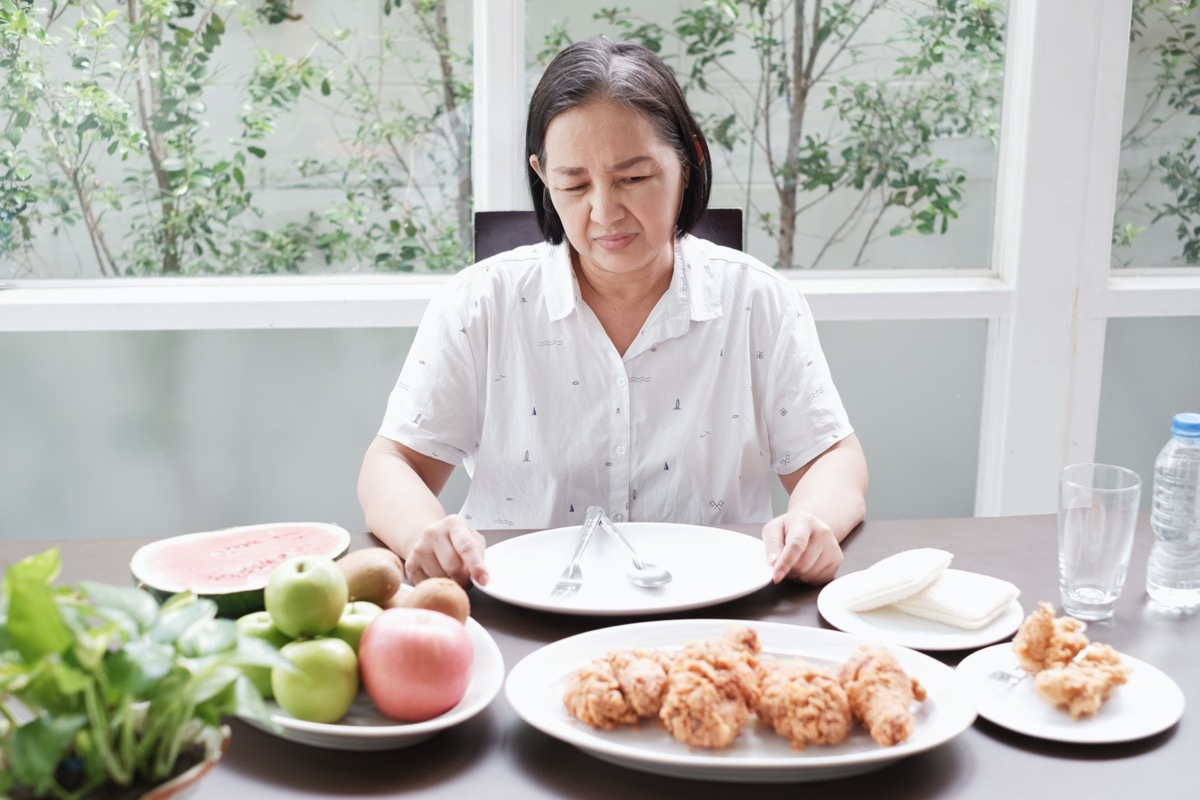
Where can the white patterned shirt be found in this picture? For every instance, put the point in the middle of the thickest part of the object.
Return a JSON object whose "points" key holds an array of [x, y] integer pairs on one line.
{"points": [[512, 376]]}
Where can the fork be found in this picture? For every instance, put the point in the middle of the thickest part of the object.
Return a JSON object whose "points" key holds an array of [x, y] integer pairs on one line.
{"points": [[1008, 678], [572, 575]]}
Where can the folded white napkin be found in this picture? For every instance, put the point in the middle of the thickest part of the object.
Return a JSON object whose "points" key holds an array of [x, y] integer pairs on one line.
{"points": [[963, 599], [897, 577]]}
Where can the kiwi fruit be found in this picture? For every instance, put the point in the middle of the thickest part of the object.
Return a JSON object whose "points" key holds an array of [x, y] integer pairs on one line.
{"points": [[373, 574], [439, 594], [394, 601]]}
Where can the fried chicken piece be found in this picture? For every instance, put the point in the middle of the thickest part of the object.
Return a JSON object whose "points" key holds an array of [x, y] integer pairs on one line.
{"points": [[618, 689], [712, 687], [1044, 641], [736, 642], [881, 693], [1084, 684], [642, 675], [594, 697], [802, 702]]}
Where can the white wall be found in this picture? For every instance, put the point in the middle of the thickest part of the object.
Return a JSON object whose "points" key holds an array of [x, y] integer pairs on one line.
{"points": [[150, 434]]}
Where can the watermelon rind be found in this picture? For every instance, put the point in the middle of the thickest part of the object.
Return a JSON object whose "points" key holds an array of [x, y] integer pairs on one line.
{"points": [[231, 565]]}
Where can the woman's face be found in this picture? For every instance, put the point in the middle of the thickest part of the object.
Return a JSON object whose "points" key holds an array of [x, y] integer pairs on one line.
{"points": [[617, 187]]}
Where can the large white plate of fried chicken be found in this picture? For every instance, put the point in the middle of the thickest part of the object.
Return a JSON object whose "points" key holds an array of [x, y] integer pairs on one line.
{"points": [[1053, 682], [738, 701]]}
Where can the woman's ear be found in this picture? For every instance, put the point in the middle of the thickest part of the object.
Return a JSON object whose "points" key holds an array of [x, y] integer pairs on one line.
{"points": [[699, 150], [533, 163]]}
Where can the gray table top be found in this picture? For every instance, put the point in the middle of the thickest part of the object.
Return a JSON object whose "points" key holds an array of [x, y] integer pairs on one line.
{"points": [[497, 755]]}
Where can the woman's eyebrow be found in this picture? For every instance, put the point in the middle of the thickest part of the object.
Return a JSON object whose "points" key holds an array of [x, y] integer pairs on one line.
{"points": [[626, 164]]}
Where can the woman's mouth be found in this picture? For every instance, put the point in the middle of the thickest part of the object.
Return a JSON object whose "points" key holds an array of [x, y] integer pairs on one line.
{"points": [[615, 241]]}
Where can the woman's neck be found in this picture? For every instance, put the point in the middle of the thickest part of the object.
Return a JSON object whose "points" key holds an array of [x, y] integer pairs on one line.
{"points": [[623, 301]]}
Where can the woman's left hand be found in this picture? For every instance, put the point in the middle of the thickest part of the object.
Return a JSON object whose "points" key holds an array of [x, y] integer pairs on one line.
{"points": [[801, 547]]}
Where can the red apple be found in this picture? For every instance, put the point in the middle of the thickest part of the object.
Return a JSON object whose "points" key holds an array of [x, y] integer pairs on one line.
{"points": [[415, 663]]}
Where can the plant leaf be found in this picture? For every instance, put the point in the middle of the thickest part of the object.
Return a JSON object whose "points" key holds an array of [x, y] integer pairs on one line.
{"points": [[208, 636], [136, 605], [138, 665], [38, 746], [214, 681], [35, 624], [255, 652], [177, 619], [43, 566], [250, 704]]}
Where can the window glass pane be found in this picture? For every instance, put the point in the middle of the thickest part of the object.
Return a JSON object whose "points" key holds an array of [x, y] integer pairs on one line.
{"points": [[1158, 196], [199, 138], [882, 154]]}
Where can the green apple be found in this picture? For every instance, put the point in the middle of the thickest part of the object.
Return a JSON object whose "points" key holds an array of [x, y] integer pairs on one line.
{"points": [[354, 621], [259, 625], [325, 681], [306, 595]]}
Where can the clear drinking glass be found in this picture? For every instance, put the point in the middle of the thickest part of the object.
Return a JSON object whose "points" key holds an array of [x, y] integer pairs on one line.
{"points": [[1097, 514]]}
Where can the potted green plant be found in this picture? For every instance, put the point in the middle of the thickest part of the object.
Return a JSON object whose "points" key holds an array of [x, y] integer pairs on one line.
{"points": [[105, 693]]}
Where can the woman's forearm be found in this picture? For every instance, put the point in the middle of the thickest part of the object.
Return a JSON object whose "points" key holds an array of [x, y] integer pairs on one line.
{"points": [[832, 487], [397, 502]]}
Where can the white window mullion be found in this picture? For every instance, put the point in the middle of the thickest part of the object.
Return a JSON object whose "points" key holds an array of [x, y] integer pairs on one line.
{"points": [[498, 100], [1061, 128]]}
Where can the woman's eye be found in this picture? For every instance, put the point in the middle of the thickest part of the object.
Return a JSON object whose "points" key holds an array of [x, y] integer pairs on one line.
{"points": [[636, 178]]}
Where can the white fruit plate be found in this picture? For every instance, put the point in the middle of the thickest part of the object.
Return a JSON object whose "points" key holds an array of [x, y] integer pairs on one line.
{"points": [[365, 728]]}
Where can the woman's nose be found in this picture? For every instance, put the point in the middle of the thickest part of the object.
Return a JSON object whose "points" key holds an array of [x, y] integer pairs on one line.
{"points": [[607, 207]]}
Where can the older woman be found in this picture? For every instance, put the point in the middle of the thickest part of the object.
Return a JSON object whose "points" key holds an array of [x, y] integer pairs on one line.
{"points": [[621, 362]]}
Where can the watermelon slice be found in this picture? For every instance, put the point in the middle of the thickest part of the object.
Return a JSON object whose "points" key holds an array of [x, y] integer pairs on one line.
{"points": [[231, 565]]}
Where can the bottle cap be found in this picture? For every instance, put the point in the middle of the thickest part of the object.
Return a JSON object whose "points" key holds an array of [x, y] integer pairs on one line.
{"points": [[1186, 424]]}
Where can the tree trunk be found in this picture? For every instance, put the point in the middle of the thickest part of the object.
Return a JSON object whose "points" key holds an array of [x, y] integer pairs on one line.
{"points": [[459, 128], [786, 186]]}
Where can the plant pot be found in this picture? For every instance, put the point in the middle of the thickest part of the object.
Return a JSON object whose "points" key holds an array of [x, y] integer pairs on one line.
{"points": [[184, 785], [215, 742]]}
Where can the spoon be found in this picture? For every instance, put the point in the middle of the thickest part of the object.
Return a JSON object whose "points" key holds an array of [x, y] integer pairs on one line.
{"points": [[640, 573]]}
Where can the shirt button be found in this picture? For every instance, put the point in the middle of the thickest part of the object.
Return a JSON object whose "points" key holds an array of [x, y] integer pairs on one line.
{"points": [[619, 517], [620, 381], [620, 449]]}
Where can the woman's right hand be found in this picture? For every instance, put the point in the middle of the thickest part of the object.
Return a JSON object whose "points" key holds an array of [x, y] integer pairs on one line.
{"points": [[448, 548], [398, 489]]}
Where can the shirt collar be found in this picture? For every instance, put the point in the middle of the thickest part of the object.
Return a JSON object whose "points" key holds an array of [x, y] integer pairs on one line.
{"points": [[562, 289], [703, 281]]}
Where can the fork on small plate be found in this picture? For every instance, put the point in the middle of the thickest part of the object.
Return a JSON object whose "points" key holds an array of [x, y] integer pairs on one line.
{"points": [[571, 578], [1007, 678]]}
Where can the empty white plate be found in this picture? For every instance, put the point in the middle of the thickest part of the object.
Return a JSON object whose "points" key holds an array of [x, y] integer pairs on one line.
{"points": [[708, 565]]}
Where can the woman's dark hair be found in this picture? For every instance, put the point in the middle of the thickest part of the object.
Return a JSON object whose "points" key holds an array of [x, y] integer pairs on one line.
{"points": [[627, 73]]}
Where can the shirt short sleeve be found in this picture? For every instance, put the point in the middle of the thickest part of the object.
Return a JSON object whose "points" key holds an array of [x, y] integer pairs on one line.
{"points": [[433, 407], [805, 412]]}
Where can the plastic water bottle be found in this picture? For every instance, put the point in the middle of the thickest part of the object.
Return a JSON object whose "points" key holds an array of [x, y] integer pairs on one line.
{"points": [[1173, 573]]}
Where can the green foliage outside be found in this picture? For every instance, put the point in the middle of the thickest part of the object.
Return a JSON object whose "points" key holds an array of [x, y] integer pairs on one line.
{"points": [[1173, 164], [105, 112], [109, 112]]}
